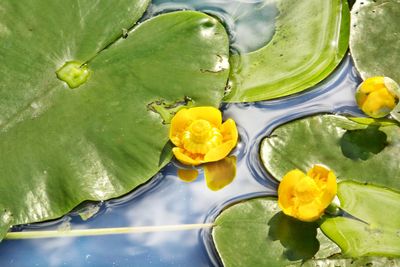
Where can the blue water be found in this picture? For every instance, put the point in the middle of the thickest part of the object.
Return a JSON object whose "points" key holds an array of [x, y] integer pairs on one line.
{"points": [[166, 200]]}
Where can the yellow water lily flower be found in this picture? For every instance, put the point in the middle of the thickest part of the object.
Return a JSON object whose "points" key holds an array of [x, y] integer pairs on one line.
{"points": [[377, 96], [306, 196], [200, 136]]}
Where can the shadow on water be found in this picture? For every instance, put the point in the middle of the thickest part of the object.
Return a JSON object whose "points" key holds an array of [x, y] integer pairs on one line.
{"points": [[364, 143]]}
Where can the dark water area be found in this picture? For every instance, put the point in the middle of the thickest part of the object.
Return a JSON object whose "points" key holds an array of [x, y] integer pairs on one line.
{"points": [[167, 200]]}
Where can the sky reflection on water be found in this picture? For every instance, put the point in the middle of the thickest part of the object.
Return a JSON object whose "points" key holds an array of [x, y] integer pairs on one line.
{"points": [[166, 200]]}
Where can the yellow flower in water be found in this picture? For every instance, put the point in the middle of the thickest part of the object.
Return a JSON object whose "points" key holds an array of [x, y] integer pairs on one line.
{"points": [[200, 136], [377, 96], [305, 197]]}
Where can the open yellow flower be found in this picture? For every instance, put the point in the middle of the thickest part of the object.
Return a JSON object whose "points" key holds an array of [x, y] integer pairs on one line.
{"points": [[376, 96], [306, 196], [200, 136]]}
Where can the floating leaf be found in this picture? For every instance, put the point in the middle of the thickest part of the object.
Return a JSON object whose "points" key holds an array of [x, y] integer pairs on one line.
{"points": [[5, 221], [256, 233], [61, 146], [375, 38], [340, 261], [354, 150], [377, 233], [310, 40]]}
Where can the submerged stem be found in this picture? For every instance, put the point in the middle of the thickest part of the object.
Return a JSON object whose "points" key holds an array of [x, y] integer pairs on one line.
{"points": [[105, 231]]}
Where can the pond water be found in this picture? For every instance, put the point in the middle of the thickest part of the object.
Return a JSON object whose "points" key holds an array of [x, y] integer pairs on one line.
{"points": [[167, 200]]}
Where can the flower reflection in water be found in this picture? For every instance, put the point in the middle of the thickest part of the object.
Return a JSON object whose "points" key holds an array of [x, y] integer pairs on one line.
{"points": [[217, 174]]}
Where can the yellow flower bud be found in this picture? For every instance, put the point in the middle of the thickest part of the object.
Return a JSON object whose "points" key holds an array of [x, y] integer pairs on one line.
{"points": [[306, 196], [200, 136], [377, 96]]}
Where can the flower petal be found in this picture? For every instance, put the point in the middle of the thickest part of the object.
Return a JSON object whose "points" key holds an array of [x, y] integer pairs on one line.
{"points": [[286, 190], [377, 96], [210, 114], [326, 180], [185, 159], [219, 152], [229, 131], [372, 84], [310, 212], [305, 197], [179, 122], [379, 103], [185, 126], [319, 173], [330, 190]]}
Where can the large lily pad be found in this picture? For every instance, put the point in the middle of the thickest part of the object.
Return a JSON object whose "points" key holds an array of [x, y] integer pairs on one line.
{"points": [[60, 146], [377, 233], [375, 38], [361, 150], [256, 233], [340, 261], [310, 40]]}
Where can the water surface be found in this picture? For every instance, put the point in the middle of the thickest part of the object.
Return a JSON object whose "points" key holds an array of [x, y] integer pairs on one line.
{"points": [[166, 200]]}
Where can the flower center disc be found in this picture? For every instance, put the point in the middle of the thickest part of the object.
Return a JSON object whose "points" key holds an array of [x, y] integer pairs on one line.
{"points": [[200, 131]]}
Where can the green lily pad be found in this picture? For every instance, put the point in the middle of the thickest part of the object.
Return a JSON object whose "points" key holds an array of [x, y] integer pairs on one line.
{"points": [[340, 261], [256, 233], [5, 221], [310, 40], [61, 146], [378, 233], [360, 150], [375, 38]]}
